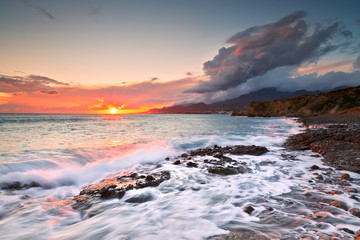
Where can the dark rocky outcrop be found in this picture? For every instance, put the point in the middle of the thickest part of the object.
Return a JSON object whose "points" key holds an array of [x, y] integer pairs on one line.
{"points": [[308, 105], [116, 187], [218, 151], [16, 185], [219, 163]]}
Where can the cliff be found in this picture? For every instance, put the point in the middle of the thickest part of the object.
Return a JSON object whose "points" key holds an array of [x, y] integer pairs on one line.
{"points": [[339, 101]]}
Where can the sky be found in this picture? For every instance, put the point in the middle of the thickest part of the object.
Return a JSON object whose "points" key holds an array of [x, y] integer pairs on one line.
{"points": [[91, 56]]}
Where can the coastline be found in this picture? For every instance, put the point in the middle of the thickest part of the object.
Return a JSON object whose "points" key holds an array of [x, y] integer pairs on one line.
{"points": [[336, 137]]}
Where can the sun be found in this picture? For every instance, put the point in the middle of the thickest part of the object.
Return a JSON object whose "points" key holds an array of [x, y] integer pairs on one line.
{"points": [[113, 110]]}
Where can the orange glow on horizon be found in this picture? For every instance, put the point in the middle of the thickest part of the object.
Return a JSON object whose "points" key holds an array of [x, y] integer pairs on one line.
{"points": [[118, 111], [113, 110]]}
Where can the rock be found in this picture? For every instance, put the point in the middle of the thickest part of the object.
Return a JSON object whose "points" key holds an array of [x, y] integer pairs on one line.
{"points": [[149, 178], [348, 230], [339, 204], [355, 212], [324, 237], [191, 164], [228, 170], [314, 167], [167, 158], [222, 171], [184, 155], [177, 162], [336, 192], [218, 152], [320, 177], [116, 187], [21, 186], [345, 176], [321, 215], [248, 209], [140, 198]]}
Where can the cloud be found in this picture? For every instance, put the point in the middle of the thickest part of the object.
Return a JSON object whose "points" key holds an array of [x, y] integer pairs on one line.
{"points": [[31, 94], [255, 51], [49, 92], [189, 74], [30, 83], [358, 21], [282, 80], [356, 64], [44, 12], [41, 10], [343, 65]]}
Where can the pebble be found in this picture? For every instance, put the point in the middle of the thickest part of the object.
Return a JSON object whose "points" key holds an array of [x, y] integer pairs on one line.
{"points": [[345, 176]]}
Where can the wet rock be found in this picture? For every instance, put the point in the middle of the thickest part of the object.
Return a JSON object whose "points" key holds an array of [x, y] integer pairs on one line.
{"points": [[345, 176], [314, 167], [177, 162], [320, 177], [324, 237], [167, 158], [21, 186], [355, 212], [116, 187], [228, 170], [336, 192], [347, 230], [339, 204], [191, 164], [321, 215], [218, 152], [140, 198], [111, 193], [248, 209], [149, 178], [184, 155]]}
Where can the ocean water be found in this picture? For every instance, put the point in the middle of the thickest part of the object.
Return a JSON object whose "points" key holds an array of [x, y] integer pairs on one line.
{"points": [[64, 153]]}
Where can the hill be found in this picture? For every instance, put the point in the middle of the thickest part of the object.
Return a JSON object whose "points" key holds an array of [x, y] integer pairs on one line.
{"points": [[340, 101]]}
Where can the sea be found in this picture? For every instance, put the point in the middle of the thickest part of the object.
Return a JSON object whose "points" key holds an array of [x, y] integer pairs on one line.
{"points": [[64, 153]]}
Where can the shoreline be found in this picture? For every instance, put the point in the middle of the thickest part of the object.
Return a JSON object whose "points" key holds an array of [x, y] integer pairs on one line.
{"points": [[335, 137]]}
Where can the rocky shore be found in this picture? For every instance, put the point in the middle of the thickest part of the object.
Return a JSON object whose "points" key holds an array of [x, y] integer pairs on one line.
{"points": [[325, 205], [336, 137], [215, 162]]}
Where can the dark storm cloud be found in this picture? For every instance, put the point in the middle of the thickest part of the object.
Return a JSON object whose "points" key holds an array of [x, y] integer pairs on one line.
{"points": [[356, 64], [257, 50], [31, 83]]}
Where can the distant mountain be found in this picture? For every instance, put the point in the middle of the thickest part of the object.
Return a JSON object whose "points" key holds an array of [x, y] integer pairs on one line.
{"points": [[200, 108], [339, 101], [238, 105], [242, 103]]}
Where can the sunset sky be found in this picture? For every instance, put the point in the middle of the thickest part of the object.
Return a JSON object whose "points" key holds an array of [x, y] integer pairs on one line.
{"points": [[91, 56]]}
